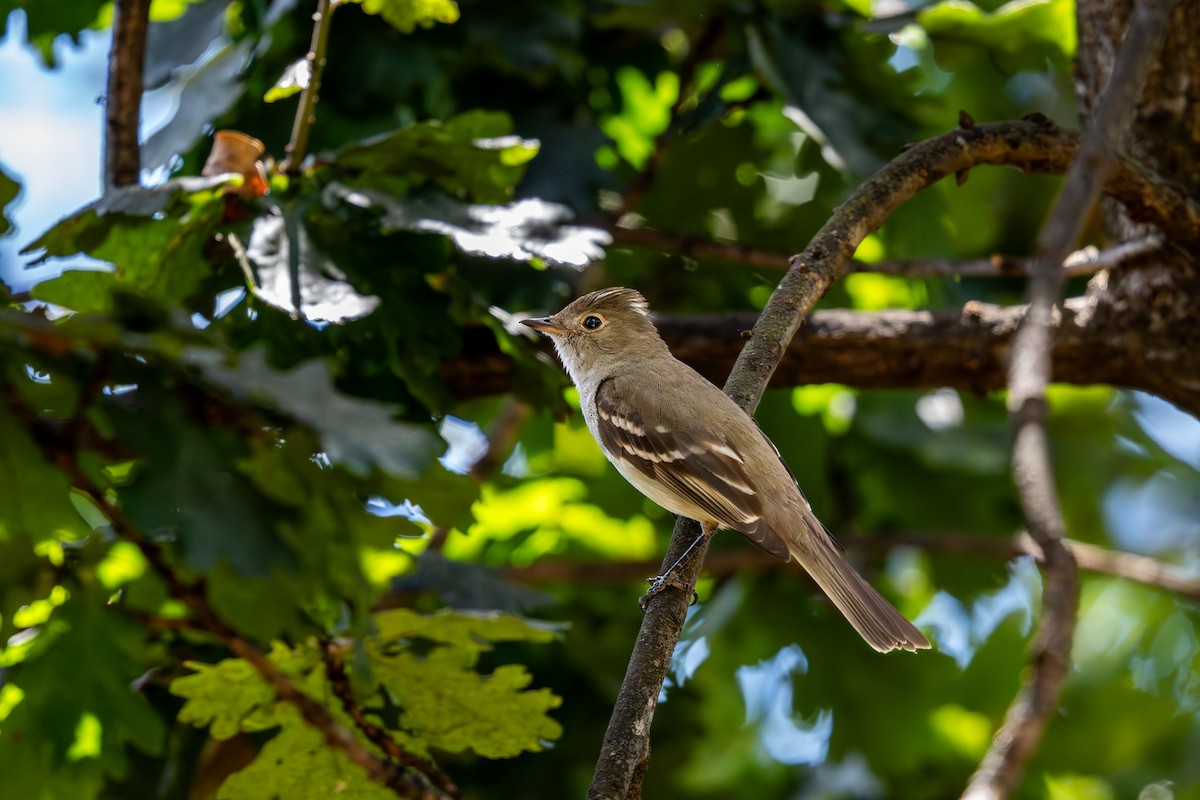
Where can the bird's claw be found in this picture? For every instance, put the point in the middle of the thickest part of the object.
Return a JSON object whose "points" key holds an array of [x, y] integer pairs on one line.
{"points": [[661, 582]]}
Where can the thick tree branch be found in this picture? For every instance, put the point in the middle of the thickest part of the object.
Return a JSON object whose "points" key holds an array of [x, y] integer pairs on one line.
{"points": [[1001, 769], [1092, 558], [625, 752], [123, 99], [964, 349]]}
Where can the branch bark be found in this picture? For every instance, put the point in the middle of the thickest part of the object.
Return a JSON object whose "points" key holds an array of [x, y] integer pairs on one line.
{"points": [[123, 99], [297, 147], [1030, 144], [1003, 765], [964, 349]]}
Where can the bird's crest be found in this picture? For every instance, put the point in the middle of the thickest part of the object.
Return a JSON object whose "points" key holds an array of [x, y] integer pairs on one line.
{"points": [[630, 297]]}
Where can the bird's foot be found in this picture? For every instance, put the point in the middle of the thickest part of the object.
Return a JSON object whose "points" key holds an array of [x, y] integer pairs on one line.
{"points": [[658, 584]]}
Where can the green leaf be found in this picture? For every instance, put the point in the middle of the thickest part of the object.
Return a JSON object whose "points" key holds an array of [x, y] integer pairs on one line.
{"points": [[45, 20], [357, 433], [9, 189], [83, 731], [472, 155], [298, 764], [527, 230], [1023, 35], [227, 697], [157, 252], [645, 113], [293, 274], [444, 702], [34, 496], [186, 487], [406, 15], [294, 80]]}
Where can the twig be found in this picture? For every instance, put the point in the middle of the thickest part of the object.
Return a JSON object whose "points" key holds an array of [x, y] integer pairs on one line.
{"points": [[297, 148], [725, 563], [625, 752], [123, 100], [335, 670], [1003, 765], [1080, 263]]}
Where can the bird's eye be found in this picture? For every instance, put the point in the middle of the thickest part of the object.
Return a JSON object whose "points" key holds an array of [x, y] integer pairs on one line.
{"points": [[591, 323]]}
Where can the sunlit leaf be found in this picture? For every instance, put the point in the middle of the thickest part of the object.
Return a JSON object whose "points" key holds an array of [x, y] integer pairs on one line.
{"points": [[42, 733], [293, 274], [154, 237], [1023, 33], [406, 15], [227, 697], [208, 91], [526, 230], [293, 80], [448, 705], [473, 155]]}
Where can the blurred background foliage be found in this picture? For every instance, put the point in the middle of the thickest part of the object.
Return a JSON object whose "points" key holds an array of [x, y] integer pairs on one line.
{"points": [[257, 385]]}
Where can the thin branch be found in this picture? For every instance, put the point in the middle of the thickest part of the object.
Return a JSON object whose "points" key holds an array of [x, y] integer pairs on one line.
{"points": [[1080, 263], [335, 670], [625, 752], [726, 563], [297, 148], [123, 99], [1029, 374]]}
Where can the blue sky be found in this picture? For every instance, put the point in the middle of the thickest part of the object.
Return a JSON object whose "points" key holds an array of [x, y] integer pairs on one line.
{"points": [[51, 137]]}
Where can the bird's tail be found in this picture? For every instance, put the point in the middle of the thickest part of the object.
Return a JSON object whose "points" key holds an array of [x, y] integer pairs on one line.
{"points": [[881, 625]]}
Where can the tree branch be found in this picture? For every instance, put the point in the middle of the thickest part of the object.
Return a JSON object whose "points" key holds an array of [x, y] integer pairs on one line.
{"points": [[123, 99], [625, 752], [297, 147], [1029, 374], [902, 349], [725, 563], [339, 681], [1081, 263]]}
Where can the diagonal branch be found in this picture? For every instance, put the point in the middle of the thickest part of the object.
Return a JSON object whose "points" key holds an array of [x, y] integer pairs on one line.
{"points": [[123, 99], [625, 752], [1029, 374], [335, 670]]}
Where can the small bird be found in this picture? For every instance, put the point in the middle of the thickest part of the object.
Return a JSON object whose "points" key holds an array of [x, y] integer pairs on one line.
{"points": [[687, 446]]}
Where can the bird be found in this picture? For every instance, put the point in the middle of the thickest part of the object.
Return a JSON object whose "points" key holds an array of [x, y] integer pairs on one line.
{"points": [[688, 447]]}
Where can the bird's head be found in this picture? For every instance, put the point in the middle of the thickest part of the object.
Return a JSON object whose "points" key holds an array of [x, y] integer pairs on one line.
{"points": [[599, 331]]}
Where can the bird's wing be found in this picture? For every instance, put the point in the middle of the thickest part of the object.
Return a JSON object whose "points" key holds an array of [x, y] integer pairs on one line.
{"points": [[704, 470]]}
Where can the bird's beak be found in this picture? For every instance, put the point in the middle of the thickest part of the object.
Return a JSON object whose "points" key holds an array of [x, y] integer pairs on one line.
{"points": [[544, 325]]}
